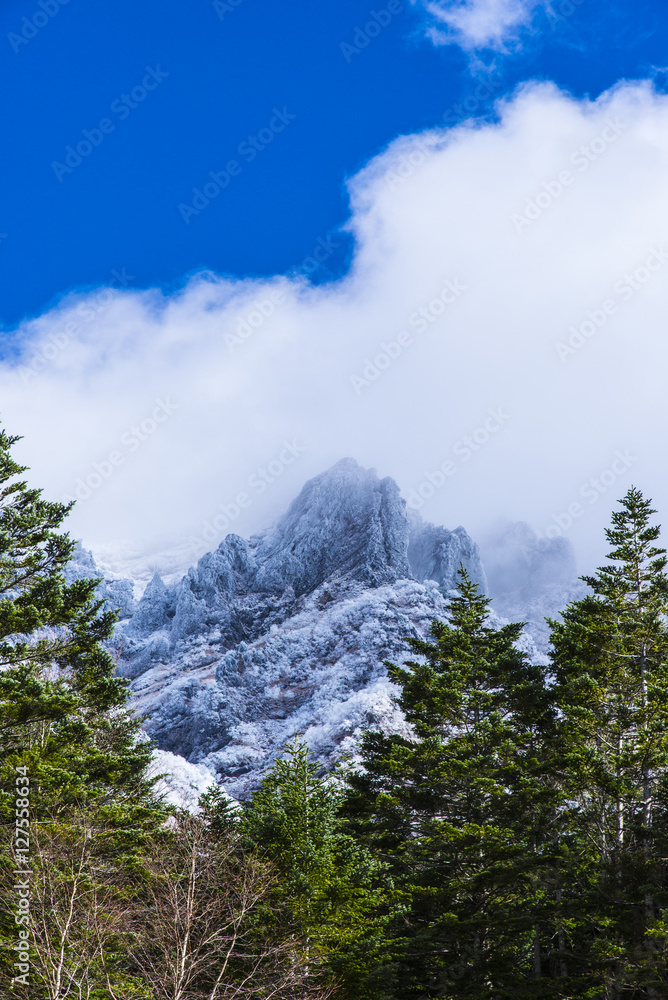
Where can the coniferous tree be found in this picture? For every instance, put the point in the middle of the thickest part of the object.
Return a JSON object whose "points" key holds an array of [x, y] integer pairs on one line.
{"points": [[331, 885], [62, 709], [64, 725], [610, 657], [201, 931], [463, 812]]}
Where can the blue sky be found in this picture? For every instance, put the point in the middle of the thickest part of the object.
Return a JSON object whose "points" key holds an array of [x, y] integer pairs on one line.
{"points": [[245, 236], [228, 68]]}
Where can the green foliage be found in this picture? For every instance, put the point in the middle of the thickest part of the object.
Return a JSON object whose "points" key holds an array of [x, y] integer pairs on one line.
{"points": [[61, 706], [515, 845], [332, 886], [460, 811], [123, 904], [63, 719], [611, 666], [40, 617], [526, 823]]}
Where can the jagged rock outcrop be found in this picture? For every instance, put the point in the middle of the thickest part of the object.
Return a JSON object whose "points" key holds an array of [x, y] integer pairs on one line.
{"points": [[345, 521], [436, 554], [345, 524], [287, 631], [119, 594], [320, 673]]}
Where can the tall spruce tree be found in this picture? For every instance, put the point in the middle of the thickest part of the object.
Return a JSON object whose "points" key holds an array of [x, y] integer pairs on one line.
{"points": [[610, 659], [463, 812], [62, 708], [64, 724], [332, 886]]}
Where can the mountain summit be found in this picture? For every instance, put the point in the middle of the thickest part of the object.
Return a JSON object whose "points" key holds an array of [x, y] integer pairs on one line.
{"points": [[287, 631]]}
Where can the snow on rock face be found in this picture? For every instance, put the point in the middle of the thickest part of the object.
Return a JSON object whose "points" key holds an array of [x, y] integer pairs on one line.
{"points": [[119, 594], [437, 554], [344, 521], [320, 674], [287, 633], [181, 783]]}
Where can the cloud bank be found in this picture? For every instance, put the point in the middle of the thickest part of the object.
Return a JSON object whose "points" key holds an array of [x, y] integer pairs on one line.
{"points": [[498, 347]]}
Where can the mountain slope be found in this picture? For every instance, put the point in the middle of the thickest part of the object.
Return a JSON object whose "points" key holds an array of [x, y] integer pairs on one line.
{"points": [[287, 632]]}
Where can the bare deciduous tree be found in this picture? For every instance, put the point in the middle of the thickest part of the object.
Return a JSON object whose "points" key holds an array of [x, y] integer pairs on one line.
{"points": [[197, 924], [198, 933], [75, 917]]}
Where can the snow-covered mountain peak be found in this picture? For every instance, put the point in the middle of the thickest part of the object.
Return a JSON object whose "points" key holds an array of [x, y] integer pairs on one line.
{"points": [[288, 631], [345, 521]]}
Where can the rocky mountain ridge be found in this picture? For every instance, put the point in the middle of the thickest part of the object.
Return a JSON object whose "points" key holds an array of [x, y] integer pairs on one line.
{"points": [[287, 632]]}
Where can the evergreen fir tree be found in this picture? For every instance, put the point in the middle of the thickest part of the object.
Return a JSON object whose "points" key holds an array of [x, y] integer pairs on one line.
{"points": [[332, 886], [64, 723], [610, 657], [463, 812]]}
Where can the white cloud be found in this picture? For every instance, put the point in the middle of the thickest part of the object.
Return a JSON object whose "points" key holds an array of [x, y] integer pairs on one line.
{"points": [[540, 216], [479, 24]]}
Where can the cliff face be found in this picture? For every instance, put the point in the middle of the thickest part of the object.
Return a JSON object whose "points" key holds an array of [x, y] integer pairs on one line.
{"points": [[436, 554], [287, 631], [119, 593]]}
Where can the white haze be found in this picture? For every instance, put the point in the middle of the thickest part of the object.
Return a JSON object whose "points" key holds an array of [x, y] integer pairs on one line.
{"points": [[434, 207], [478, 24]]}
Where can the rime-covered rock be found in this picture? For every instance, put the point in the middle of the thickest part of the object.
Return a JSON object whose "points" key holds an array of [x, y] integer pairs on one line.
{"points": [[345, 521], [289, 631], [437, 554], [179, 783], [320, 673], [118, 593]]}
